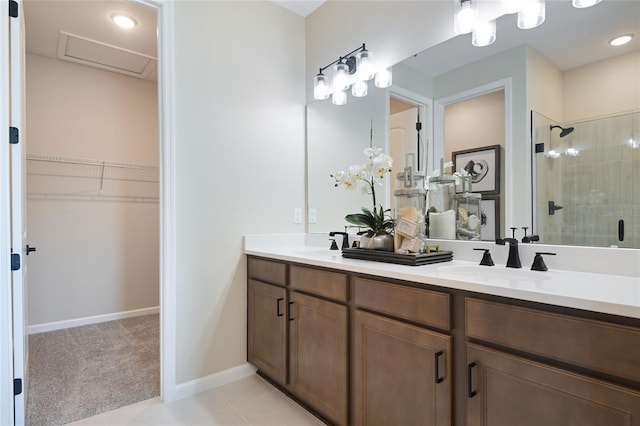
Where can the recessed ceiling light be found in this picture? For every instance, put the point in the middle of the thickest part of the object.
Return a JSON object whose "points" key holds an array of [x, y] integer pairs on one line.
{"points": [[620, 40], [124, 21]]}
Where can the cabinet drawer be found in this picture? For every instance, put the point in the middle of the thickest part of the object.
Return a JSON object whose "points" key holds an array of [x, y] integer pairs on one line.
{"points": [[328, 284], [423, 306], [267, 271], [596, 345]]}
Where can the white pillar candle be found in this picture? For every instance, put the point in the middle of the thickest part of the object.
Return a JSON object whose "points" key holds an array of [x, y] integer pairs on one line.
{"points": [[442, 225]]}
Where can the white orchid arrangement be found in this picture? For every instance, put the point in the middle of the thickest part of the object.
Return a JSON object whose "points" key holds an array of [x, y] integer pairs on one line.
{"points": [[365, 177]]}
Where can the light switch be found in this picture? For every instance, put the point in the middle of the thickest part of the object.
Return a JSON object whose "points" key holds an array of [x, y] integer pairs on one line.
{"points": [[313, 215], [297, 215]]}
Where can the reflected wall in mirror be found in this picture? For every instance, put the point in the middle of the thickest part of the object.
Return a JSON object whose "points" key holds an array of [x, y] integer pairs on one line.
{"points": [[558, 69]]}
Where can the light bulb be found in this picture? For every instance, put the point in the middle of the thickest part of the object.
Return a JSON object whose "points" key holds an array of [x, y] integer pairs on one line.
{"points": [[511, 6], [365, 65], [484, 34], [339, 97], [464, 19], [320, 87], [359, 89], [580, 4], [531, 14], [384, 78], [124, 21], [620, 40], [341, 76]]}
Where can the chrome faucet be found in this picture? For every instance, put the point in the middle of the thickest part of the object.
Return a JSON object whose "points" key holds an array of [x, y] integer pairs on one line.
{"points": [[514, 257]]}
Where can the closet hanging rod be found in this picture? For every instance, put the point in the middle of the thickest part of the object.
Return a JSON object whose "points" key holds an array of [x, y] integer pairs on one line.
{"points": [[89, 162]]}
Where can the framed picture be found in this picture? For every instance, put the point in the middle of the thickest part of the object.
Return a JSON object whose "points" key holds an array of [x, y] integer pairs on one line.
{"points": [[483, 164], [490, 218]]}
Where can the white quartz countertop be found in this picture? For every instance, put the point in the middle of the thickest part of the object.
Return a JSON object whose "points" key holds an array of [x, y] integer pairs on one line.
{"points": [[605, 293]]}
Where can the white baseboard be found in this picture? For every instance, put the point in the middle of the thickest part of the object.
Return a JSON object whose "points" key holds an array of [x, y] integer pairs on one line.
{"points": [[192, 387], [76, 322]]}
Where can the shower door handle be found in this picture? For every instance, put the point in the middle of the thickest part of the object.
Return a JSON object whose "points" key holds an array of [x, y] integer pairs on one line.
{"points": [[621, 230], [29, 249]]}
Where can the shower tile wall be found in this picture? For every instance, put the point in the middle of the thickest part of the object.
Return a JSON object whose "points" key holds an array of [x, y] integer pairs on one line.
{"points": [[597, 188]]}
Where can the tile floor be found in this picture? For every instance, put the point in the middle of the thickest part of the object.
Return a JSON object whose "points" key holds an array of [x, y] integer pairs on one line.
{"points": [[249, 401]]}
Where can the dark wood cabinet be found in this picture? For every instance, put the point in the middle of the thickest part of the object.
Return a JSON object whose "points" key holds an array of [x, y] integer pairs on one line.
{"points": [[506, 390], [266, 331], [318, 355], [401, 373], [364, 350]]}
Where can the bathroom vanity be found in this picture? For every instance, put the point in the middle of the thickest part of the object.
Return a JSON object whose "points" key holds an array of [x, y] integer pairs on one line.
{"points": [[361, 342]]}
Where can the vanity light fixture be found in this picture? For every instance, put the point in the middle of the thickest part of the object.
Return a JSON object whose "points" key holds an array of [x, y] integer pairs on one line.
{"points": [[531, 14], [581, 4], [351, 70], [465, 17], [484, 34], [511, 6], [123, 21], [621, 39], [572, 152]]}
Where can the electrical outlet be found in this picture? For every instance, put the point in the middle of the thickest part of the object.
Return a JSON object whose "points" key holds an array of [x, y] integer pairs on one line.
{"points": [[313, 215], [297, 215]]}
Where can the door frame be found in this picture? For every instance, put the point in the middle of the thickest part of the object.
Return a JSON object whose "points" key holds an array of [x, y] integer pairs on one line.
{"points": [[166, 118]]}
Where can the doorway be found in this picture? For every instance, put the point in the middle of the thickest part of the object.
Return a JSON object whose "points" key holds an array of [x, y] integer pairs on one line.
{"points": [[92, 176]]}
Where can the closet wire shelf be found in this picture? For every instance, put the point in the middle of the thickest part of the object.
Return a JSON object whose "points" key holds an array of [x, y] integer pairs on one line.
{"points": [[52, 177]]}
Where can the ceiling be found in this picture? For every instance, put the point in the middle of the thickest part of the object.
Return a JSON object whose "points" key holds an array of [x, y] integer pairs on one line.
{"points": [[100, 42], [568, 37], [90, 19]]}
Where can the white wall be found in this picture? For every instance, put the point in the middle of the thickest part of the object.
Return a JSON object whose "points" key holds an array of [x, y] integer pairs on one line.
{"points": [[94, 257], [240, 163]]}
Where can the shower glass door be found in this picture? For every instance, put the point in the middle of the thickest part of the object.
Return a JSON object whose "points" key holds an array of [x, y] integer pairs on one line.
{"points": [[587, 181]]}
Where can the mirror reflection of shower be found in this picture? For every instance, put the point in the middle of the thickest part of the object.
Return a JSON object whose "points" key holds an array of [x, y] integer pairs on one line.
{"points": [[590, 169]]}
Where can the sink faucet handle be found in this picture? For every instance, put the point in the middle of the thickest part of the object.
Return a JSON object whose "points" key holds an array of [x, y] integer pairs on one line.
{"points": [[334, 245], [345, 238], [538, 261], [513, 232], [486, 257]]}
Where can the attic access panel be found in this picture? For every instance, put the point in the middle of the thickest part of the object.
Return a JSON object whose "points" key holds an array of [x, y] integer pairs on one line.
{"points": [[96, 54]]}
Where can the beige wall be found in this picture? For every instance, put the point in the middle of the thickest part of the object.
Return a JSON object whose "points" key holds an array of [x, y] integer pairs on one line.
{"points": [[588, 95], [240, 163], [94, 257], [544, 86]]}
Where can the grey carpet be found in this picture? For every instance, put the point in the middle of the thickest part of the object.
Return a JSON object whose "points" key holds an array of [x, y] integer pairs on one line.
{"points": [[83, 371]]}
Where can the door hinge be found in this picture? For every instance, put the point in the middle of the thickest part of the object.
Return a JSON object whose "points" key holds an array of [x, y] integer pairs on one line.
{"points": [[14, 135], [17, 386], [13, 8], [15, 261]]}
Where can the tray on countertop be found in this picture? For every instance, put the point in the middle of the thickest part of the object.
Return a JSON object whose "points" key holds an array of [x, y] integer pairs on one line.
{"points": [[411, 259]]}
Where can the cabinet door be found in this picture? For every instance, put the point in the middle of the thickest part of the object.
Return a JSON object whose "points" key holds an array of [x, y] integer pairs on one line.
{"points": [[508, 390], [318, 354], [266, 335], [402, 373]]}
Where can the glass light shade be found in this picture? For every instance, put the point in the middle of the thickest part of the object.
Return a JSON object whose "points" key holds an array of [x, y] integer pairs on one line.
{"points": [[341, 76], [484, 34], [531, 14], [465, 18], [553, 154], [339, 97], [365, 65], [511, 6], [359, 89], [580, 4], [384, 78], [321, 87], [572, 152]]}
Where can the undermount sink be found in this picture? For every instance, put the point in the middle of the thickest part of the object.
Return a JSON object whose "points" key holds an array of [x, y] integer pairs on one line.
{"points": [[493, 273]]}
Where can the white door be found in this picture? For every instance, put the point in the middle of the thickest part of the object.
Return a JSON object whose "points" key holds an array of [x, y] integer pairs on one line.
{"points": [[12, 328], [6, 312], [18, 210]]}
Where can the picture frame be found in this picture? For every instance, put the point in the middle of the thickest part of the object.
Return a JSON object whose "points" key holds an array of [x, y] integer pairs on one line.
{"points": [[490, 218], [483, 164]]}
